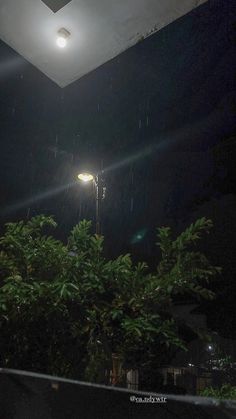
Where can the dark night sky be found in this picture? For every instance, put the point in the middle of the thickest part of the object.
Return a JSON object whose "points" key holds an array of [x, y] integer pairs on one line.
{"points": [[154, 116]]}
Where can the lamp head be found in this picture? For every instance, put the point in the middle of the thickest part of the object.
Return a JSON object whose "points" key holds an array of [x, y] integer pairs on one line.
{"points": [[85, 177]]}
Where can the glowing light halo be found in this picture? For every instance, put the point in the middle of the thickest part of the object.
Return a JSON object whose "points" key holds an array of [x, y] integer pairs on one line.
{"points": [[61, 42]]}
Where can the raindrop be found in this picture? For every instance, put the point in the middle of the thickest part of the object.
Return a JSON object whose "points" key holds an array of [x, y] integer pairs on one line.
{"points": [[131, 204], [140, 124], [28, 213], [147, 120], [132, 177]]}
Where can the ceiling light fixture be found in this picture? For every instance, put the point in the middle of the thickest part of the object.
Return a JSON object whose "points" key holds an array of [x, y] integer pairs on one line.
{"points": [[62, 37]]}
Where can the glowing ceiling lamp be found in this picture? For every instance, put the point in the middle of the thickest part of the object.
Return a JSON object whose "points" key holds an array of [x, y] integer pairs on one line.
{"points": [[62, 37]]}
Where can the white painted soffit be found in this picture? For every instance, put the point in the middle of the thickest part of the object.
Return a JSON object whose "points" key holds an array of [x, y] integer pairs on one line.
{"points": [[100, 30]]}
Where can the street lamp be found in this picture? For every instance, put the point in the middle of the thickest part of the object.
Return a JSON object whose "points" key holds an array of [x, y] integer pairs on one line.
{"points": [[99, 194], [85, 177]]}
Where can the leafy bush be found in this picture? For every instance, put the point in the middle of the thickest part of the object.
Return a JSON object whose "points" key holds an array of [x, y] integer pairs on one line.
{"points": [[65, 309], [225, 392]]}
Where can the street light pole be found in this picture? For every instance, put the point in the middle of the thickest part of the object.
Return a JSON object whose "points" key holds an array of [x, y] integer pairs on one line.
{"points": [[97, 183], [99, 195]]}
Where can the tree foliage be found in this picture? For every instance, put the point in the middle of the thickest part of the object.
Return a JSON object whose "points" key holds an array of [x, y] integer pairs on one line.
{"points": [[226, 391], [65, 309]]}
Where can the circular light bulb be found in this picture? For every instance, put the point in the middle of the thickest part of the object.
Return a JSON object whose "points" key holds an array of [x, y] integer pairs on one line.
{"points": [[61, 41]]}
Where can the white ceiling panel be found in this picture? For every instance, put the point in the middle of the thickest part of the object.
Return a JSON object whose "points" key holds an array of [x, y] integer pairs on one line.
{"points": [[100, 30]]}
